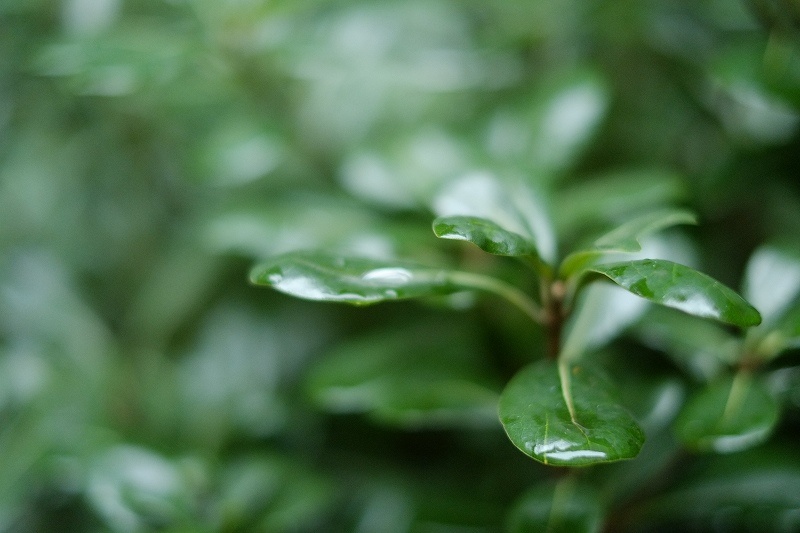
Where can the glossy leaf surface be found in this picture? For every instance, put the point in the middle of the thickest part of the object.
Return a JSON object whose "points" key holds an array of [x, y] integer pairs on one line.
{"points": [[625, 238], [730, 415], [358, 281], [512, 205], [681, 287], [483, 233], [568, 418], [562, 507]]}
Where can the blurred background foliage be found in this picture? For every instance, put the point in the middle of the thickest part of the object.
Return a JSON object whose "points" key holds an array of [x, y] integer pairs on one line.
{"points": [[151, 150]]}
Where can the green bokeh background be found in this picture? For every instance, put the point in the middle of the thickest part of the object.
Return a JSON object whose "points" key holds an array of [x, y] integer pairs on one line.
{"points": [[151, 151]]}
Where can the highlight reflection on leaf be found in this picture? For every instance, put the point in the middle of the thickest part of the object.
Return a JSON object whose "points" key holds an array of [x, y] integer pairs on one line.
{"points": [[567, 423]]}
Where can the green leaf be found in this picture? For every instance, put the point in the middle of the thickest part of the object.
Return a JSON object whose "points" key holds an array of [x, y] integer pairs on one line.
{"points": [[565, 507], [681, 287], [512, 205], [483, 233], [602, 312], [566, 118], [790, 327], [357, 281], [407, 171], [625, 238], [566, 415], [756, 490], [730, 415], [702, 348], [324, 277], [430, 376], [772, 280], [607, 198]]}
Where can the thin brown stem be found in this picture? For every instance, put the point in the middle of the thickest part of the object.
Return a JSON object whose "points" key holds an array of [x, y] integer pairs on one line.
{"points": [[554, 316]]}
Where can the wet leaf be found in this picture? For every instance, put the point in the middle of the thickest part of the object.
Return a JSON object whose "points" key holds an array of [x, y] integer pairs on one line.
{"points": [[681, 287], [625, 238], [567, 416], [513, 206], [565, 507], [730, 415], [357, 281], [483, 233]]}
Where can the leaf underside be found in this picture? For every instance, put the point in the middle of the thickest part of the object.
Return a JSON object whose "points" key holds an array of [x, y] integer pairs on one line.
{"points": [[537, 417]]}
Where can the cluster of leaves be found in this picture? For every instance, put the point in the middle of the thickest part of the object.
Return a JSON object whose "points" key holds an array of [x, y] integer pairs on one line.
{"points": [[153, 151]]}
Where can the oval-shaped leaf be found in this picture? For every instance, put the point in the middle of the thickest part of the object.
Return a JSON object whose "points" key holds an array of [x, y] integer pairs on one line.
{"points": [[681, 287], [561, 507], [358, 281], [565, 118], [483, 233], [730, 415], [625, 238], [512, 205], [566, 415]]}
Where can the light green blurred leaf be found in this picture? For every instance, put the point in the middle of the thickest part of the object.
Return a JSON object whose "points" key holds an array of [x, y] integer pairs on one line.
{"points": [[567, 120], [419, 377], [730, 415], [567, 506], [602, 312], [702, 348], [754, 491], [120, 63], [131, 487], [625, 238], [552, 127], [772, 280], [229, 383], [681, 287], [610, 198], [565, 415], [273, 493], [407, 173], [756, 95]]}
